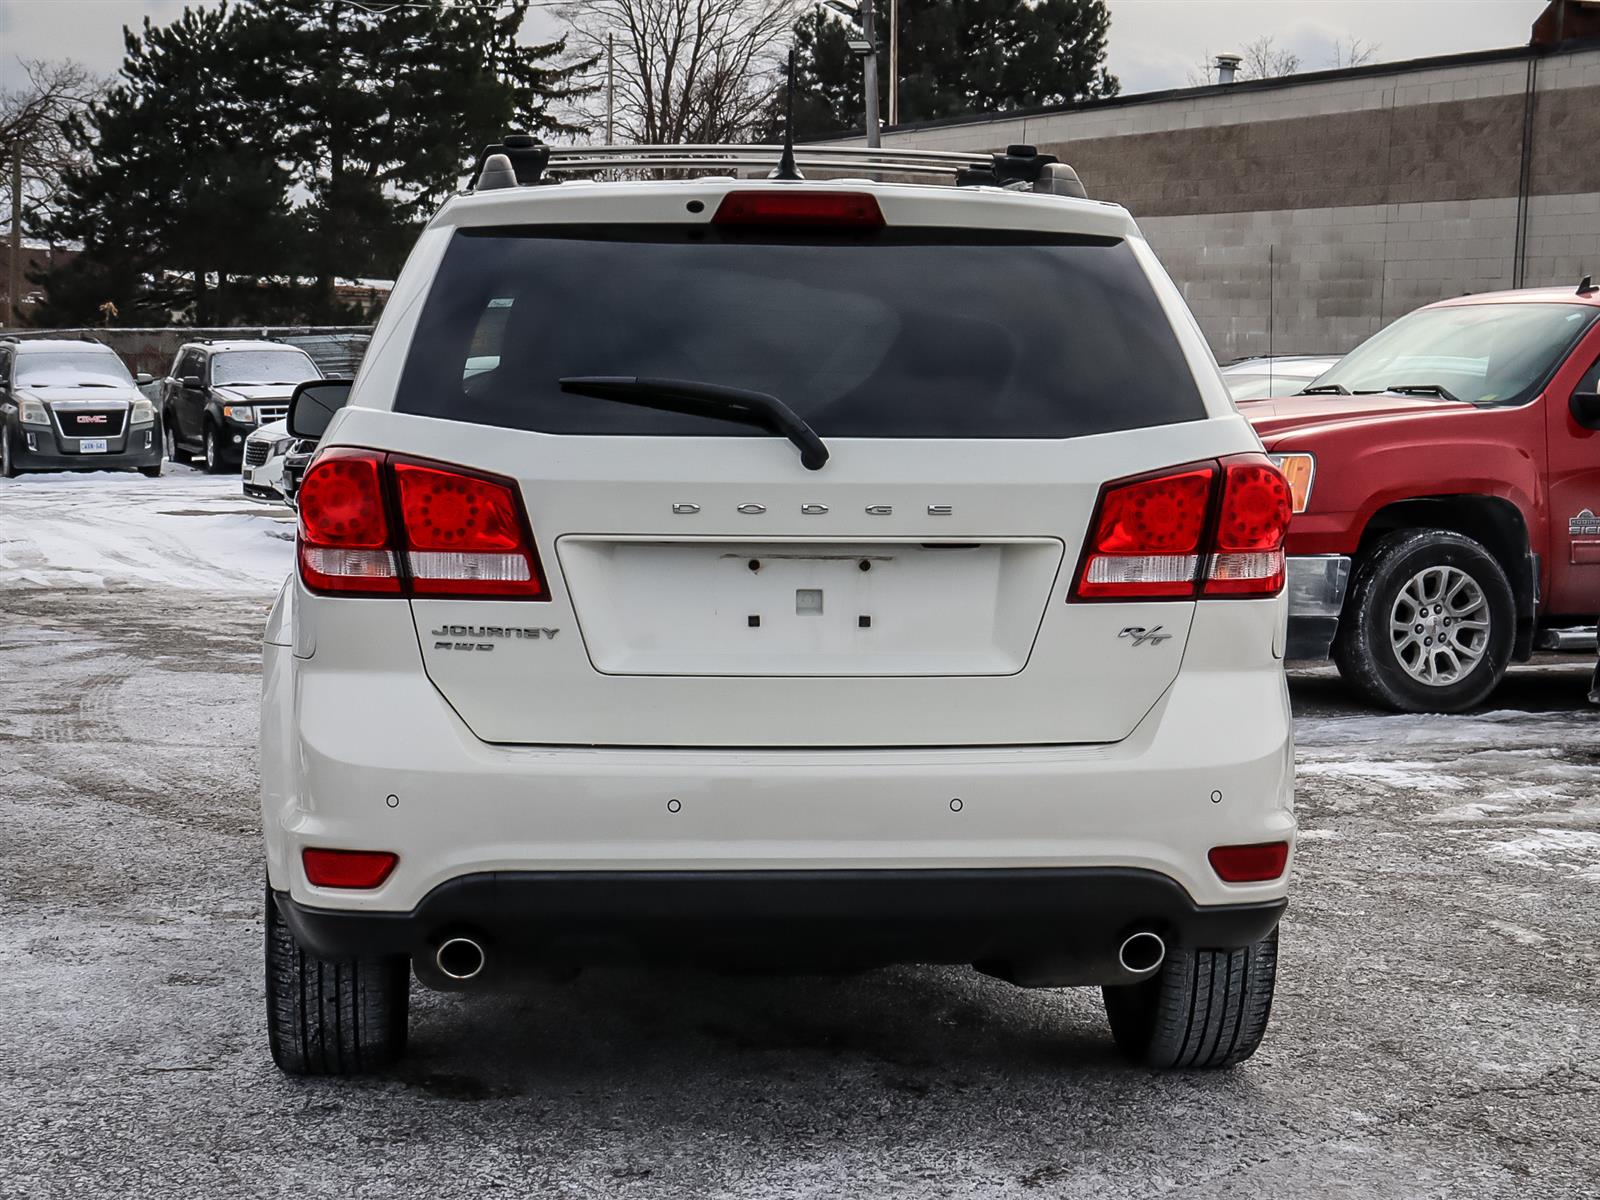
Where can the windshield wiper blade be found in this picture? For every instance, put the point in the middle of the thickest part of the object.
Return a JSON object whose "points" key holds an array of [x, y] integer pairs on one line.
{"points": [[706, 400], [1326, 389], [1422, 389]]}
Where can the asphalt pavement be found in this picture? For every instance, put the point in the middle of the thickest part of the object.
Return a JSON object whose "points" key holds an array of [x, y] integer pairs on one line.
{"points": [[1434, 1033]]}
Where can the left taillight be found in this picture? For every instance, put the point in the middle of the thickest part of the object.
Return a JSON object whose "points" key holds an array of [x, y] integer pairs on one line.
{"points": [[1212, 529], [373, 524], [344, 540]]}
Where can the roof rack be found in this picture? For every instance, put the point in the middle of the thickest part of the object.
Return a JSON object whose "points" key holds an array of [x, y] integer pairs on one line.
{"points": [[528, 162]]}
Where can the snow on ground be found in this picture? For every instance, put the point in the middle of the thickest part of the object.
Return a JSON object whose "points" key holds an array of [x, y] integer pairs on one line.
{"points": [[118, 530], [1514, 786]]}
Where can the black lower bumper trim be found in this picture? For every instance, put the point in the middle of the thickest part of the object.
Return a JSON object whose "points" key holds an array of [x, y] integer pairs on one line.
{"points": [[1037, 926]]}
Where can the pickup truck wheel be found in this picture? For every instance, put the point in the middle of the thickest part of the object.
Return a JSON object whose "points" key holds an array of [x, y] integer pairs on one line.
{"points": [[1429, 625], [1201, 1009], [332, 1016]]}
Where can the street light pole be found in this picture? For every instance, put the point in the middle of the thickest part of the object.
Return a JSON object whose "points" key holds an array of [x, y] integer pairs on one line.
{"points": [[611, 89], [894, 63], [869, 70], [14, 267]]}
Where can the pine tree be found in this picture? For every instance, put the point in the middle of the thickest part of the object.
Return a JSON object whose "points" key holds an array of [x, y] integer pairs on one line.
{"points": [[384, 106], [249, 147], [957, 58], [184, 204]]}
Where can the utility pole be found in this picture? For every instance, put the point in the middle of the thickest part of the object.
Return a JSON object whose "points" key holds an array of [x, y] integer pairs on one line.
{"points": [[611, 90], [869, 68], [894, 62], [14, 267]]}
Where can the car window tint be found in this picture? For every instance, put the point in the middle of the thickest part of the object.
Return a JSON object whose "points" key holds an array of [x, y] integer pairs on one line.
{"points": [[940, 333]]}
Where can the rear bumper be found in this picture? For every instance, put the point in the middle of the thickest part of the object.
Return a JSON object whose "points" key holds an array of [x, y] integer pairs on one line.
{"points": [[1041, 927], [1317, 587], [359, 758]]}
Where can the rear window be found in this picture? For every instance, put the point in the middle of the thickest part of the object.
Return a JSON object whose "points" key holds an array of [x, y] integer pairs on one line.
{"points": [[926, 334]]}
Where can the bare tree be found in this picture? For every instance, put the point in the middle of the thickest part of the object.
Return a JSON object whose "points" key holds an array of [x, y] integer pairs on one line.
{"points": [[1264, 60], [1260, 59], [34, 121], [1353, 52], [687, 70]]}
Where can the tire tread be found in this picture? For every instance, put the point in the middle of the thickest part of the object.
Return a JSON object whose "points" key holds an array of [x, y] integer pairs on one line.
{"points": [[1203, 1010], [331, 1016]]}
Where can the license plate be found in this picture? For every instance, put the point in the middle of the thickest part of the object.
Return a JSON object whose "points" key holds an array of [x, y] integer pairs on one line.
{"points": [[92, 446]]}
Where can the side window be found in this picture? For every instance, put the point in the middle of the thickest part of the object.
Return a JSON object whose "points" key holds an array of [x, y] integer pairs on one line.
{"points": [[188, 364], [1591, 379], [5, 371]]}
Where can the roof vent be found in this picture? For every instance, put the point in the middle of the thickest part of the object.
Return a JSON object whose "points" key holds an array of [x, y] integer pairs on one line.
{"points": [[1228, 68]]}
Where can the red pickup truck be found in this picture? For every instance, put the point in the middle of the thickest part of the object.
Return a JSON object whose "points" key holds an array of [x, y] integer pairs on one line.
{"points": [[1446, 478]]}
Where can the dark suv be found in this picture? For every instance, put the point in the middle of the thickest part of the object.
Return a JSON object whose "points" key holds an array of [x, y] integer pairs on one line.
{"points": [[71, 405], [219, 391]]}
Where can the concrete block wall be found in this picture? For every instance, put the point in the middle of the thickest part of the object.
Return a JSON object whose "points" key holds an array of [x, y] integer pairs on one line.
{"points": [[1302, 215]]}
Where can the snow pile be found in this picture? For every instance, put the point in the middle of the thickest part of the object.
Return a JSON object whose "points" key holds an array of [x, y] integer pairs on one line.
{"points": [[120, 530]]}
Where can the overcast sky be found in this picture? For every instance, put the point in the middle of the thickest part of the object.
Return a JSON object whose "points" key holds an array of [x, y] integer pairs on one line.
{"points": [[1153, 43]]}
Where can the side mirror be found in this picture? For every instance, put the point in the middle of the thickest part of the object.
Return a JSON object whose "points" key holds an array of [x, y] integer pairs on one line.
{"points": [[1586, 409], [313, 405], [144, 377], [192, 382]]}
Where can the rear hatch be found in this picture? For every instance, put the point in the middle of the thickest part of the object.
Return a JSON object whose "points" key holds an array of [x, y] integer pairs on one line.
{"points": [[975, 389]]}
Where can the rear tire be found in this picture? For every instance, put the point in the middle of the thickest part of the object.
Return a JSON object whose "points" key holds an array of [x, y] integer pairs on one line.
{"points": [[151, 472], [1202, 1009], [342, 1016], [1387, 664]]}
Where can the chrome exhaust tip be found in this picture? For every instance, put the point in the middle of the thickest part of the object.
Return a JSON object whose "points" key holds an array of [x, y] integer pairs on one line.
{"points": [[1142, 953], [459, 958]]}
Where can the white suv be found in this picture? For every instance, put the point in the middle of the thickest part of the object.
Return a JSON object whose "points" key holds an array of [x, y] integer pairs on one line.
{"points": [[808, 575]]}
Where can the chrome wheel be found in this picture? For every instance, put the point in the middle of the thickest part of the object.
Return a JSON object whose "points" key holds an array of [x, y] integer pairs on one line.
{"points": [[211, 451], [171, 442], [1439, 626]]}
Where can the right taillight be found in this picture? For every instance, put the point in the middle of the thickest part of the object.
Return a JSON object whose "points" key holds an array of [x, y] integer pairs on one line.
{"points": [[375, 524], [1211, 529], [1247, 556]]}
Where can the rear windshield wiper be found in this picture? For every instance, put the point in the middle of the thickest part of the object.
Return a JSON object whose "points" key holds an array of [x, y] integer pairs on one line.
{"points": [[1422, 389], [1326, 389], [706, 400]]}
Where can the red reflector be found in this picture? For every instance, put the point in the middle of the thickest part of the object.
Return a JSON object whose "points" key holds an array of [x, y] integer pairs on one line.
{"points": [[1250, 864], [344, 534], [1147, 534], [464, 534], [1256, 507], [348, 868], [847, 210]]}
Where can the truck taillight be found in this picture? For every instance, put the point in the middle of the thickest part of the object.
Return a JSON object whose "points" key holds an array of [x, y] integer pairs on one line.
{"points": [[373, 524], [1210, 529]]}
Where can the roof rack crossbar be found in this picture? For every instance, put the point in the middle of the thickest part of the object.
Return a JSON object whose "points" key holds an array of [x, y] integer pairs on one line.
{"points": [[1019, 166]]}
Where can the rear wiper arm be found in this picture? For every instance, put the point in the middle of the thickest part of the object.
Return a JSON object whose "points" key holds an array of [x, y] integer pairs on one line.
{"points": [[706, 400], [1422, 389], [1326, 389]]}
